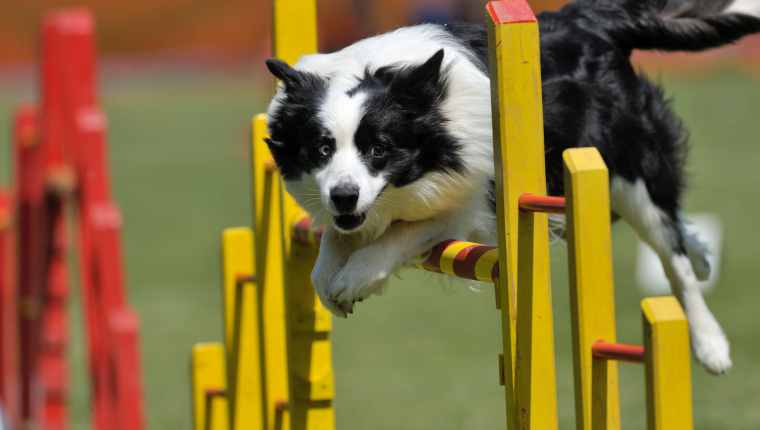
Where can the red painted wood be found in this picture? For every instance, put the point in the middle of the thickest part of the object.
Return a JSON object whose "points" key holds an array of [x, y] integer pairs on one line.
{"points": [[31, 219], [9, 341], [549, 204], [618, 351], [124, 326], [510, 11]]}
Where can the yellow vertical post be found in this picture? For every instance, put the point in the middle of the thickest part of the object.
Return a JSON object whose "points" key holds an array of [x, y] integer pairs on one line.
{"points": [[514, 56], [536, 383], [270, 260], [668, 368], [242, 326], [208, 375], [309, 324], [260, 156], [592, 291]]}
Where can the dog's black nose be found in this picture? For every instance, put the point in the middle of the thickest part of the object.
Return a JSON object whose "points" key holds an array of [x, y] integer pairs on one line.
{"points": [[344, 197]]}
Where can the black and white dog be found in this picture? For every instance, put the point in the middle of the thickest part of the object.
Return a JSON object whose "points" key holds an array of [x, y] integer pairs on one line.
{"points": [[388, 142]]}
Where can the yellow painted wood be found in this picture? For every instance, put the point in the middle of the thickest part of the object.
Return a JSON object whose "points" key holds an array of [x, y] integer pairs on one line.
{"points": [[260, 156], [536, 383], [599, 397], [242, 337], [310, 360], [591, 282], [208, 373], [519, 160], [295, 29], [270, 261], [668, 365]]}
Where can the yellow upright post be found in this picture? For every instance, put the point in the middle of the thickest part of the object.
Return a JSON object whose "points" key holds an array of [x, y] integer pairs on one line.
{"points": [[591, 283], [208, 378], [515, 64], [668, 368], [242, 325], [536, 382], [309, 324]]}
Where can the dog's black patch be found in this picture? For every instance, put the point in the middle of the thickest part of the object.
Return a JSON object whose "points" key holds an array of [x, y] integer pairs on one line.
{"points": [[298, 140], [402, 133]]}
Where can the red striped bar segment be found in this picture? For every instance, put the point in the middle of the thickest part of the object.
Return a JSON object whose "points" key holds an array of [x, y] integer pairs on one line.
{"points": [[546, 204], [466, 260], [618, 351], [510, 11]]}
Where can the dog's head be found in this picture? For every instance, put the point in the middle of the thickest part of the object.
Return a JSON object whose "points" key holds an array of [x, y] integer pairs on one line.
{"points": [[342, 142]]}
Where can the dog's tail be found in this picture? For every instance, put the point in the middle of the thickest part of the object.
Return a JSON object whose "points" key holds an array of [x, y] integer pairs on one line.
{"points": [[677, 25]]}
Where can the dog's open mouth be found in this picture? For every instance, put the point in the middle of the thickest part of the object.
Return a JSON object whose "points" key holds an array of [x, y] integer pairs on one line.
{"points": [[349, 222]]}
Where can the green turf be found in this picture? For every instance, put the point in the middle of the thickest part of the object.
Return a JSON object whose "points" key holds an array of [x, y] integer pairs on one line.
{"points": [[424, 355]]}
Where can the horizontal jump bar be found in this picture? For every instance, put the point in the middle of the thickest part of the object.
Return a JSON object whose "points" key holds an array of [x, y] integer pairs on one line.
{"points": [[618, 351], [549, 204], [462, 259]]}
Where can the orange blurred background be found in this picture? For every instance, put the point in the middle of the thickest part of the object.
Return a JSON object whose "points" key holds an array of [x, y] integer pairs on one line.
{"points": [[215, 31]]}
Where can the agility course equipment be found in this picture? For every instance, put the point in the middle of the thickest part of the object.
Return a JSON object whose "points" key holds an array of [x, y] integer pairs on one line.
{"points": [[273, 370], [61, 173]]}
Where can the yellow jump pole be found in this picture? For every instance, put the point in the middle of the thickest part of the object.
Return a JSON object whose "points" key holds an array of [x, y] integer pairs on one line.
{"points": [[242, 325], [309, 324], [591, 282], [668, 367], [208, 385], [515, 65]]}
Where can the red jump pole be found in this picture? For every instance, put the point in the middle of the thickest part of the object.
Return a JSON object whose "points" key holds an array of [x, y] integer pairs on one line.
{"points": [[9, 341], [31, 218], [618, 351], [549, 204]]}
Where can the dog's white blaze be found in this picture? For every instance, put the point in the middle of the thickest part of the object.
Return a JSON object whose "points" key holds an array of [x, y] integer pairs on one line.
{"points": [[748, 7], [341, 115]]}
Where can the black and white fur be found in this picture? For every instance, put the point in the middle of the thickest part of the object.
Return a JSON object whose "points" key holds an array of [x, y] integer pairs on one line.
{"points": [[388, 142]]}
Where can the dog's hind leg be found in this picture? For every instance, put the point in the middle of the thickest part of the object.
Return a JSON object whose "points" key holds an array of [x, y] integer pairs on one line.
{"points": [[698, 253], [666, 235]]}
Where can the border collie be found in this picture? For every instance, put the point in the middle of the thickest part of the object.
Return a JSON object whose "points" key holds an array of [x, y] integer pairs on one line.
{"points": [[388, 142]]}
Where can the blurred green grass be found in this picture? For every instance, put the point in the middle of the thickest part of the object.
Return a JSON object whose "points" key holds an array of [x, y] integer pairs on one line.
{"points": [[424, 355]]}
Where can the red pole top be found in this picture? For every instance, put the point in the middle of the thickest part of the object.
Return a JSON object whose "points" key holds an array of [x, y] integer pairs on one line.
{"points": [[510, 11]]}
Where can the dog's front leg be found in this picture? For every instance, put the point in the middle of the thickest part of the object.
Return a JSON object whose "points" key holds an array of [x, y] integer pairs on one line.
{"points": [[334, 251], [367, 269]]}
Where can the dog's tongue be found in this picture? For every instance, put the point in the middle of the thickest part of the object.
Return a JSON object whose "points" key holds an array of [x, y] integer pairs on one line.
{"points": [[349, 222]]}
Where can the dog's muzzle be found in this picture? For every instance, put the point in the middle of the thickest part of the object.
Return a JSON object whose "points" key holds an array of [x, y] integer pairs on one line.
{"points": [[348, 222]]}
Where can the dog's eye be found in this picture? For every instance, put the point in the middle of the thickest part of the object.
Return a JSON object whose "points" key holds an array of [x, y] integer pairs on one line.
{"points": [[326, 146], [377, 151]]}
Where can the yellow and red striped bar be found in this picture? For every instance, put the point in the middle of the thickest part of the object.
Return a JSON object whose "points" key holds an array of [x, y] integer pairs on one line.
{"points": [[618, 351], [466, 260], [546, 204]]}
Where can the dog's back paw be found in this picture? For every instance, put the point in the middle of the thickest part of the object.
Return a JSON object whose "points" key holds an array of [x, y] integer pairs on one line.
{"points": [[713, 351]]}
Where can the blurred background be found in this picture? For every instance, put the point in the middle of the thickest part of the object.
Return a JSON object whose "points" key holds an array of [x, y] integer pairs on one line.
{"points": [[179, 81]]}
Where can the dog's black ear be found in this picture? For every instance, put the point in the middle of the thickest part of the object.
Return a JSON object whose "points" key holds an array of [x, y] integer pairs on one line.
{"points": [[429, 71], [419, 85], [282, 71]]}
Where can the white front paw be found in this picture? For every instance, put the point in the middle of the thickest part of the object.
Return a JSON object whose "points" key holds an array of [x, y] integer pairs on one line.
{"points": [[320, 278], [364, 274]]}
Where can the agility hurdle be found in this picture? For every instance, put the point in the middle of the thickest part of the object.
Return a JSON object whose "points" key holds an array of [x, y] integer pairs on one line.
{"points": [[61, 169], [273, 370]]}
